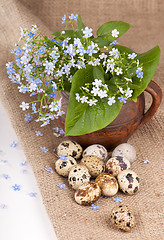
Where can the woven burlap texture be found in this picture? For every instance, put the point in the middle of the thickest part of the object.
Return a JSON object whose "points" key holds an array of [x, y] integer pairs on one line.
{"points": [[71, 221]]}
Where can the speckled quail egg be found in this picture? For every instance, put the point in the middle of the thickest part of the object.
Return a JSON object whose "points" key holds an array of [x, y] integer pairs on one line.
{"points": [[125, 150], [117, 164], [108, 184], [63, 166], [94, 164], [122, 217], [69, 148], [128, 181], [87, 193], [96, 150], [78, 175]]}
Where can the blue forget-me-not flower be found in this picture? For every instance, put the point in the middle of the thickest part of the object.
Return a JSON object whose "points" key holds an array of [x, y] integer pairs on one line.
{"points": [[60, 185], [28, 117], [64, 18], [13, 144], [49, 169], [94, 207], [117, 199], [16, 187], [73, 17], [122, 99], [63, 158], [139, 73], [44, 149]]}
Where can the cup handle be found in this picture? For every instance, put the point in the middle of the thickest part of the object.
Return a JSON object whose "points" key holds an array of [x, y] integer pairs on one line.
{"points": [[155, 91]]}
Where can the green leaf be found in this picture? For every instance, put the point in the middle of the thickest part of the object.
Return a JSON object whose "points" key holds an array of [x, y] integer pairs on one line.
{"points": [[82, 118], [60, 35], [150, 62], [102, 41], [80, 24], [106, 28], [50, 43], [48, 90], [98, 73], [66, 86], [123, 49]]}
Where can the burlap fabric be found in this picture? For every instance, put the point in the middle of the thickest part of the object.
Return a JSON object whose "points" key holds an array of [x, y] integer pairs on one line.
{"points": [[71, 221]]}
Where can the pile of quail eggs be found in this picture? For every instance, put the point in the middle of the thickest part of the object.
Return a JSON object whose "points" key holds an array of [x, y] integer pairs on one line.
{"points": [[110, 174]]}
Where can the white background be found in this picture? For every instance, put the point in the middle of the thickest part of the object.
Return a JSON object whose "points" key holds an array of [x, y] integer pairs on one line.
{"points": [[22, 213]]}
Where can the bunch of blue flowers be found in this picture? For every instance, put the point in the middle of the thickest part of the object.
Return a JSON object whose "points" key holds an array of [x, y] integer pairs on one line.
{"points": [[95, 70]]}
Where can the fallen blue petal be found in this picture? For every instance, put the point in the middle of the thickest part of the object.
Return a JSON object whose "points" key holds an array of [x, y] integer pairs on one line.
{"points": [[3, 161], [24, 163], [6, 176], [3, 206], [63, 158], [94, 207], [13, 144], [62, 186], [146, 161], [117, 199], [32, 194], [38, 133], [44, 149], [49, 169], [16, 187]]}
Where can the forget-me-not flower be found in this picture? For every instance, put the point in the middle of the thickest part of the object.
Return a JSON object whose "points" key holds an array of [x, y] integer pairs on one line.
{"points": [[5, 176], [28, 117], [39, 133], [73, 17], [117, 199], [111, 100], [146, 161], [87, 32], [128, 92], [32, 194], [132, 56], [118, 71], [64, 18], [139, 73], [115, 33], [114, 43], [49, 169], [122, 99], [63, 158], [94, 207], [3, 161], [44, 149], [13, 144], [41, 50], [17, 51], [62, 186], [23, 163], [24, 106], [16, 187], [3, 206]]}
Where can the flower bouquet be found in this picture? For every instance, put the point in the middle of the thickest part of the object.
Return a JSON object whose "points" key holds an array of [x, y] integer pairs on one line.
{"points": [[99, 74]]}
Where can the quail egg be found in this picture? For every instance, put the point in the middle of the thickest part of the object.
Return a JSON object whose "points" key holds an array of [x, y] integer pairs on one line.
{"points": [[128, 181], [69, 148], [108, 184], [63, 166], [96, 150], [122, 217], [87, 193], [78, 175], [125, 150], [94, 164], [117, 164]]}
